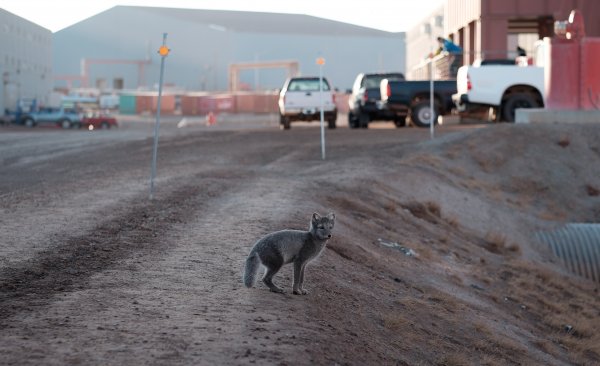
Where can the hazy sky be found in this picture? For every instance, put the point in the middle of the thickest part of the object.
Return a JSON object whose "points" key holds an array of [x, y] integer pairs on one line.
{"points": [[388, 15]]}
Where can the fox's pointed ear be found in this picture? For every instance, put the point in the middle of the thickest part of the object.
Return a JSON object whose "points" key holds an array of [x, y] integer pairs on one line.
{"points": [[316, 216], [331, 216]]}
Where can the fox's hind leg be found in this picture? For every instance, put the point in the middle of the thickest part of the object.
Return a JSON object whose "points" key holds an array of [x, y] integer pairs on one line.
{"points": [[272, 269]]}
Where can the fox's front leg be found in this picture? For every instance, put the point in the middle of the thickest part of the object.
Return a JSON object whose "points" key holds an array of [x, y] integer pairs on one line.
{"points": [[302, 290], [299, 278]]}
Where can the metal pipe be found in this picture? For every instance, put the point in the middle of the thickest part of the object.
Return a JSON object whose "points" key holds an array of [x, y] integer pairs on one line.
{"points": [[578, 246]]}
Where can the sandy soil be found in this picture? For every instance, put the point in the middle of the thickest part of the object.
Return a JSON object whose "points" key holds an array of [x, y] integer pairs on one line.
{"points": [[93, 272]]}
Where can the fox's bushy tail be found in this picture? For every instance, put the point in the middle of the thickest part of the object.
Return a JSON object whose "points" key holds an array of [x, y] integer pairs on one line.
{"points": [[252, 266]]}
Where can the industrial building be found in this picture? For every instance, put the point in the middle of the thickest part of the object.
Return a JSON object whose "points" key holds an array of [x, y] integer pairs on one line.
{"points": [[492, 29], [116, 49], [25, 62]]}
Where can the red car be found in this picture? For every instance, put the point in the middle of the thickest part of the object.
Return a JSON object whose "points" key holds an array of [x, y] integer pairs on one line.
{"points": [[96, 120]]}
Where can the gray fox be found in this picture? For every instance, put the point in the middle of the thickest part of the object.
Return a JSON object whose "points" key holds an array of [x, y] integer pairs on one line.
{"points": [[287, 246]]}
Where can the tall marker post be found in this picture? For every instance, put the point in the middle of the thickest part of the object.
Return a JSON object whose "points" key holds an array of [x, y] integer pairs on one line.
{"points": [[431, 104], [321, 62], [163, 51]]}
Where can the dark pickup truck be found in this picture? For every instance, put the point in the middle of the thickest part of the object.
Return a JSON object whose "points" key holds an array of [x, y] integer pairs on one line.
{"points": [[411, 98], [364, 101]]}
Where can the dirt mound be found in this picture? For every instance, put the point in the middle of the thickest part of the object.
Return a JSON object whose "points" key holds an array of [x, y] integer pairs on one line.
{"points": [[550, 171], [468, 205]]}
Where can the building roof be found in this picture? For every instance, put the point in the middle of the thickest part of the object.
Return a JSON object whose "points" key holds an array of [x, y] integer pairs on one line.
{"points": [[261, 22], [206, 42], [22, 20]]}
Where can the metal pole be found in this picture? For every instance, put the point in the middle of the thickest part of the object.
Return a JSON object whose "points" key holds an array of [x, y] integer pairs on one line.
{"points": [[322, 112], [431, 104], [157, 124]]}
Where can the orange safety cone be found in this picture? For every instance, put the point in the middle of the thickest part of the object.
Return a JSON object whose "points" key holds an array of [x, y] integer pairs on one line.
{"points": [[211, 119]]}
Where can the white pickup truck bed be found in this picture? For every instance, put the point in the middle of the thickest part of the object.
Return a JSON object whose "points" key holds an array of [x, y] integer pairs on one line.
{"points": [[502, 87]]}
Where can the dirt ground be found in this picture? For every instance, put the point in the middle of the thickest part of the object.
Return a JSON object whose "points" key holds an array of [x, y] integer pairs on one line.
{"points": [[92, 272]]}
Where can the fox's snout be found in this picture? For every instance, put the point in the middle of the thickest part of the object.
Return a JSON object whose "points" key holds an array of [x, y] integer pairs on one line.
{"points": [[329, 236]]}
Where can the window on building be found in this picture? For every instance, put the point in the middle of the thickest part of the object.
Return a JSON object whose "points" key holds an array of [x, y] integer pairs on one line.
{"points": [[118, 84], [525, 41], [101, 83], [525, 32]]}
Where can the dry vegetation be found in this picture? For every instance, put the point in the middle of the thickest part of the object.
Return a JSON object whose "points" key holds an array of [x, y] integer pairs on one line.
{"points": [[560, 310]]}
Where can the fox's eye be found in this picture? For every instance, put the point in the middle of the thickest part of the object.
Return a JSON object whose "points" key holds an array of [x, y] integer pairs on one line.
{"points": [[320, 227]]}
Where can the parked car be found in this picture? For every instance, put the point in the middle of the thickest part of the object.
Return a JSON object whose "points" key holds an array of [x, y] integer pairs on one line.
{"points": [[63, 117], [98, 120], [412, 98], [501, 87], [364, 101], [6, 119], [300, 100]]}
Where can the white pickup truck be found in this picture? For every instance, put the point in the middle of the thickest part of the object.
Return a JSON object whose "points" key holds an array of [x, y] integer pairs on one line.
{"points": [[300, 100], [501, 87]]}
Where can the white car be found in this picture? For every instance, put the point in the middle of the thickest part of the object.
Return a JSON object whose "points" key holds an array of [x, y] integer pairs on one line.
{"points": [[300, 100]]}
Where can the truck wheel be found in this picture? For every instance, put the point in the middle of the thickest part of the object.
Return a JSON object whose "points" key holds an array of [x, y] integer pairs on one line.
{"points": [[65, 123], [28, 122], [514, 101], [400, 121], [285, 123], [104, 125], [420, 114], [331, 123], [352, 120], [363, 120]]}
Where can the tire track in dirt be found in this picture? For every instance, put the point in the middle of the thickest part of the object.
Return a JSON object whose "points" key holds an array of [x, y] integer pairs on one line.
{"points": [[68, 266], [60, 268]]}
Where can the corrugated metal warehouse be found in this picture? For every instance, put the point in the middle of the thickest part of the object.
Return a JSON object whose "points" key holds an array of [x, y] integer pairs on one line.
{"points": [[116, 49], [25, 61]]}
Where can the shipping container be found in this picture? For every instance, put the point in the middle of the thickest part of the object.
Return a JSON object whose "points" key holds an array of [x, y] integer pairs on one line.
{"points": [[127, 104], [195, 104], [188, 105], [143, 104], [244, 103], [167, 104], [222, 103]]}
